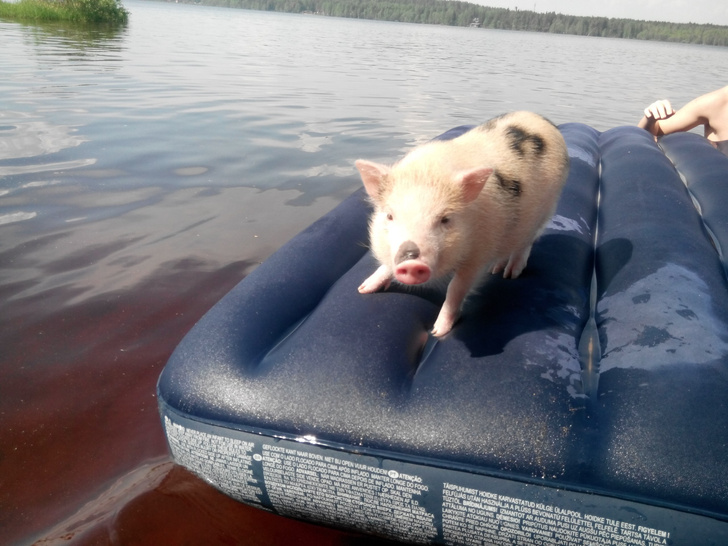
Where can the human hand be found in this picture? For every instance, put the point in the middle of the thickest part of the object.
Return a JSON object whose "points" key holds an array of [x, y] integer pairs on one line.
{"points": [[660, 109]]}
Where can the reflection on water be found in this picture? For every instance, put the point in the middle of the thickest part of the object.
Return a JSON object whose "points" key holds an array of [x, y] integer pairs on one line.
{"points": [[17, 217], [113, 241], [77, 39], [144, 171], [24, 136]]}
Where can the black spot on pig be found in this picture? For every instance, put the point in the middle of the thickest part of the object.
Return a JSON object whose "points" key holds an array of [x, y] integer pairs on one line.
{"points": [[523, 142], [491, 123], [511, 186], [407, 251]]}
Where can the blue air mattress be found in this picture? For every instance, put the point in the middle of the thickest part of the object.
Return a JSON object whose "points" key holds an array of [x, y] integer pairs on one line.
{"points": [[584, 403]]}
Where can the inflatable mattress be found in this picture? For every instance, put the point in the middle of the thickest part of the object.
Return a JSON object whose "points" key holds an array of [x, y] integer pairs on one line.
{"points": [[585, 402]]}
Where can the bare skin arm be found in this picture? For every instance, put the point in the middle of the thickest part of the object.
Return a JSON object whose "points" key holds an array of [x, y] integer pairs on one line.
{"points": [[709, 110]]}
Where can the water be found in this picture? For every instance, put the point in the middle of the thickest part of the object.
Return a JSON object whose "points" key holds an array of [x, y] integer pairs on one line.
{"points": [[143, 172]]}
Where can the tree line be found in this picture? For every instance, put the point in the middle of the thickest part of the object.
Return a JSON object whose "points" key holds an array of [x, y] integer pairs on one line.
{"points": [[455, 13]]}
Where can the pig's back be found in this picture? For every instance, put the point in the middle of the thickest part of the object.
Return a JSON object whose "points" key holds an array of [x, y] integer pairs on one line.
{"points": [[531, 163]]}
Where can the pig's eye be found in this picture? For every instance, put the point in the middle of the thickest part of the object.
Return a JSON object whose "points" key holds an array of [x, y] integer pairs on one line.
{"points": [[389, 216], [445, 220]]}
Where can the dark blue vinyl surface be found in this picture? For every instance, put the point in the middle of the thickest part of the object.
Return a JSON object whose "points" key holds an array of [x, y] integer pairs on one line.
{"points": [[632, 403], [662, 316]]}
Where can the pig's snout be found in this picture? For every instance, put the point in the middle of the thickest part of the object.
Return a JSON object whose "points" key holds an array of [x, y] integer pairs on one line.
{"points": [[412, 272], [409, 269]]}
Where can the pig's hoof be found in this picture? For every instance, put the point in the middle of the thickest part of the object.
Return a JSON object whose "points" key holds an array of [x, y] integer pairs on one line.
{"points": [[516, 264], [513, 272], [441, 332], [498, 267], [367, 288], [443, 326], [370, 285]]}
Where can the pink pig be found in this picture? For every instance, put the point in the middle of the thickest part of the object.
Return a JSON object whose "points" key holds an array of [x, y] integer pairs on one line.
{"points": [[464, 206]]}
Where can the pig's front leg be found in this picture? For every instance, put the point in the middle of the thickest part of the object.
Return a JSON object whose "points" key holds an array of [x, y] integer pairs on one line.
{"points": [[456, 291], [514, 265], [379, 280], [517, 263]]}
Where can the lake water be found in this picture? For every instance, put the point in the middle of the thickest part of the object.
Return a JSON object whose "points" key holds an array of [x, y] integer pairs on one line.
{"points": [[144, 172]]}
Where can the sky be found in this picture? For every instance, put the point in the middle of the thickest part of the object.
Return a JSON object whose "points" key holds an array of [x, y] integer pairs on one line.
{"points": [[676, 11]]}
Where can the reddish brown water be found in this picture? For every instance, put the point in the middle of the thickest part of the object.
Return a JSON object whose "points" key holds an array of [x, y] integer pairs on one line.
{"points": [[84, 459]]}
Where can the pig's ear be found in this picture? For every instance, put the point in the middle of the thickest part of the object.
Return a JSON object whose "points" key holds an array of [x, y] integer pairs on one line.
{"points": [[372, 174], [472, 181]]}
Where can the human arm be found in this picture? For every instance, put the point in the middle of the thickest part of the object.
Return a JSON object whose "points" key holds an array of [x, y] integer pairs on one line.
{"points": [[710, 110], [658, 110]]}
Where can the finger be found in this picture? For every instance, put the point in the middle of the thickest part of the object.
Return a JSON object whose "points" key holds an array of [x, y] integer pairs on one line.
{"points": [[653, 111], [665, 109]]}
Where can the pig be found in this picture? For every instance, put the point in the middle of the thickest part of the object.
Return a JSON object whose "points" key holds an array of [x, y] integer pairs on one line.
{"points": [[464, 207]]}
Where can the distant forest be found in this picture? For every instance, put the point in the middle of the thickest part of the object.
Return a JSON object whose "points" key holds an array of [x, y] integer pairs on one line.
{"points": [[464, 14]]}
